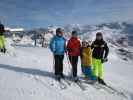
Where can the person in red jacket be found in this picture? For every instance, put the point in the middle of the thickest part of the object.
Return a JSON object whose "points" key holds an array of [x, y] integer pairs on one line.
{"points": [[73, 48]]}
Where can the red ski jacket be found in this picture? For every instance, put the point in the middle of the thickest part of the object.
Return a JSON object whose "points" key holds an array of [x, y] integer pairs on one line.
{"points": [[73, 47]]}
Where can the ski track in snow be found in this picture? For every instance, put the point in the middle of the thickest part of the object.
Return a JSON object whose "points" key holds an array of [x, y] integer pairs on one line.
{"points": [[28, 76]]}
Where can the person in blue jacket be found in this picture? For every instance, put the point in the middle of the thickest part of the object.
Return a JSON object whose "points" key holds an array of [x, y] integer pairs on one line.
{"points": [[58, 48]]}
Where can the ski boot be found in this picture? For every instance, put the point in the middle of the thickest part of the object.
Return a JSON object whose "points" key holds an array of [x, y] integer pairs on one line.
{"points": [[62, 76], [101, 81], [75, 79], [58, 77], [3, 50]]}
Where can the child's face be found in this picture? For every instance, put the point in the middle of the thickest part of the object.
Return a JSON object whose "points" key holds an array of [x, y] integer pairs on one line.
{"points": [[75, 35], [60, 33], [84, 44], [99, 37]]}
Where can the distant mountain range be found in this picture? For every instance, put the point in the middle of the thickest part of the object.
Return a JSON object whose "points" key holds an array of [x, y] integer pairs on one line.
{"points": [[118, 35], [124, 28]]}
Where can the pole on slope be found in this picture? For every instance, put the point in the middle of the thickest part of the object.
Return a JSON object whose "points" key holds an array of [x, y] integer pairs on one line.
{"points": [[69, 65]]}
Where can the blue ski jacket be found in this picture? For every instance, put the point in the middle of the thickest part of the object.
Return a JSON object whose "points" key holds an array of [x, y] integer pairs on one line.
{"points": [[58, 45]]}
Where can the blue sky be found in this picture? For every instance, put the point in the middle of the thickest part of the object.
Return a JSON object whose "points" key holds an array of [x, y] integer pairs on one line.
{"points": [[42, 13]]}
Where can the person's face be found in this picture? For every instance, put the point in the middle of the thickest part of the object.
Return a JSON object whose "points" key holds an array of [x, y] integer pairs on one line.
{"points": [[99, 37], [75, 35], [84, 44], [60, 33]]}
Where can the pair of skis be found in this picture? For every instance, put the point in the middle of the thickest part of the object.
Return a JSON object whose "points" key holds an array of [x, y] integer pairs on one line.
{"points": [[64, 83], [80, 85]]}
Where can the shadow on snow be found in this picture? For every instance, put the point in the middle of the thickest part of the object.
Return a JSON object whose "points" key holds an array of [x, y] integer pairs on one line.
{"points": [[27, 70]]}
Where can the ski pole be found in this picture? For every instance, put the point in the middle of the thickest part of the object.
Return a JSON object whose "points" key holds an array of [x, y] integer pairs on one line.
{"points": [[69, 65], [53, 67]]}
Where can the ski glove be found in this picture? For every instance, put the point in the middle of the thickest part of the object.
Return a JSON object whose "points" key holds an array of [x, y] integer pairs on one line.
{"points": [[104, 60], [3, 50]]}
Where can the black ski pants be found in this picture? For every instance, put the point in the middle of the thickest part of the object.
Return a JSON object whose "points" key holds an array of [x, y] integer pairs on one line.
{"points": [[74, 62], [58, 64]]}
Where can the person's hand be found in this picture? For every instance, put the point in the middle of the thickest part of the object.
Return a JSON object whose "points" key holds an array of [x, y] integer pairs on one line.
{"points": [[104, 60], [54, 52], [69, 50], [66, 51]]}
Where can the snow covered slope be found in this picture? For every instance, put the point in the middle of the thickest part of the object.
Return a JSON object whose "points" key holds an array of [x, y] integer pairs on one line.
{"points": [[28, 75]]}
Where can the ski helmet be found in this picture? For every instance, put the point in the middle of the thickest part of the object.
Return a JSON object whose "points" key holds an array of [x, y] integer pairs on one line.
{"points": [[74, 33], [59, 30], [99, 36]]}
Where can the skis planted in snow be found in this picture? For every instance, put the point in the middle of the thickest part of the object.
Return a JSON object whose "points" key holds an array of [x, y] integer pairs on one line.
{"points": [[80, 85], [77, 82], [67, 81], [60, 83]]}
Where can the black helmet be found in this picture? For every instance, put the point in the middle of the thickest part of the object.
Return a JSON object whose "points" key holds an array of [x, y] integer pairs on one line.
{"points": [[74, 33], [59, 30], [99, 34]]}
